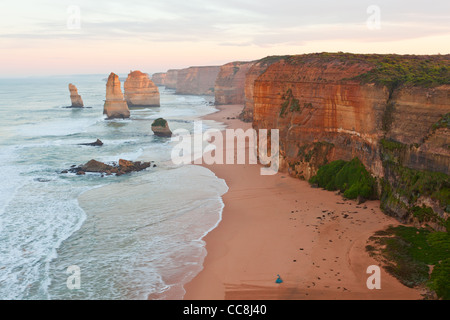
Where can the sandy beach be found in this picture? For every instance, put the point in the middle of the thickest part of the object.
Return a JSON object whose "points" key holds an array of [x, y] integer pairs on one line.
{"points": [[278, 225]]}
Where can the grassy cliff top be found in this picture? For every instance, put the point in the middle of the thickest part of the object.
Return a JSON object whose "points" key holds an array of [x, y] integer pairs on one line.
{"points": [[389, 70]]}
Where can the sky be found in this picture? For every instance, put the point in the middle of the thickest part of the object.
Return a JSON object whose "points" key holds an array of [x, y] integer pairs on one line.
{"points": [[44, 37]]}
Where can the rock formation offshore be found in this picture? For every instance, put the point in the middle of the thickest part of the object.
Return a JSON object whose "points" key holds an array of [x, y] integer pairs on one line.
{"points": [[115, 106], [230, 83], [75, 98], [390, 111], [140, 91]]}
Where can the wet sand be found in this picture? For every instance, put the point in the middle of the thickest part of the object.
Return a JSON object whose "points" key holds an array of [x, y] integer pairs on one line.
{"points": [[278, 225]]}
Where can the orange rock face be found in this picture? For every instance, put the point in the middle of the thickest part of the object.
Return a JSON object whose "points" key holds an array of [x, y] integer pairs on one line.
{"points": [[257, 68], [159, 78], [230, 83], [140, 91], [115, 106], [197, 80], [75, 98], [323, 116]]}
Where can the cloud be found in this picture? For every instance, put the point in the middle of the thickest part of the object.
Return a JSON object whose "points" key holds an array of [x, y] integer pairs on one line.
{"points": [[236, 22]]}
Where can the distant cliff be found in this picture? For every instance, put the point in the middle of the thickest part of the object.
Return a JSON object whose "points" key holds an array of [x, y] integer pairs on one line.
{"points": [[230, 83], [171, 79], [197, 80], [392, 112], [159, 78]]}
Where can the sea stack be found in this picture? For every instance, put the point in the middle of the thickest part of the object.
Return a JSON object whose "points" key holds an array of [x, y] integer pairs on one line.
{"points": [[75, 98], [140, 91], [160, 128], [115, 106]]}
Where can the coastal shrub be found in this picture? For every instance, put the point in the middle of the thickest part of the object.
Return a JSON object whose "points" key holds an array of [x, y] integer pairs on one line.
{"points": [[440, 279], [388, 70], [409, 252], [351, 178], [160, 122], [444, 122]]}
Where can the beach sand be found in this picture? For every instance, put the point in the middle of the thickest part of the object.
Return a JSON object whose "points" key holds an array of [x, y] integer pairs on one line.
{"points": [[276, 224]]}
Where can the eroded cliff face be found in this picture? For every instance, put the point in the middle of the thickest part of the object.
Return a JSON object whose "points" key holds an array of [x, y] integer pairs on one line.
{"points": [[171, 79], [257, 68], [75, 98], [230, 83], [197, 80], [159, 78], [140, 91], [115, 106], [325, 113]]}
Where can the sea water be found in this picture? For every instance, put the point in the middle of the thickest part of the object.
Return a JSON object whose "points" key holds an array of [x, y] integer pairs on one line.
{"points": [[131, 237]]}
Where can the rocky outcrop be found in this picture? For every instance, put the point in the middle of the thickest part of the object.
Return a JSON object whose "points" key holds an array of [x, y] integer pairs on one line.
{"points": [[123, 167], [140, 91], [197, 80], [115, 106], [160, 128], [171, 79], [341, 106], [75, 98], [97, 143], [258, 68], [230, 83], [159, 78]]}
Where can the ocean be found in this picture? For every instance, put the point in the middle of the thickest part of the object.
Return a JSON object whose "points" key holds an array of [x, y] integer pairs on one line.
{"points": [[131, 237]]}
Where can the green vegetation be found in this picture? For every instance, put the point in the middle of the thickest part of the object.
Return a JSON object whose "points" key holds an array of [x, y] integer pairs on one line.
{"points": [[351, 178], [392, 146], [291, 102], [440, 279], [444, 122], [267, 61], [317, 150], [409, 251], [388, 70], [411, 184], [160, 122]]}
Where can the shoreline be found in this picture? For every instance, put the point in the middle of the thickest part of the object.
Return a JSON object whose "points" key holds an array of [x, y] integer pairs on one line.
{"points": [[277, 224]]}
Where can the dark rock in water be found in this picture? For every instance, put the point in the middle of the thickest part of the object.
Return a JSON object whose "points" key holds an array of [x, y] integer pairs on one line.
{"points": [[123, 167], [41, 180], [97, 143], [64, 171], [160, 128]]}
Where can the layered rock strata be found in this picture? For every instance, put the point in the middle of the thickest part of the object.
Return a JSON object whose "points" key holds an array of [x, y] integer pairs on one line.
{"points": [[197, 80], [75, 98], [230, 83], [140, 91], [159, 78], [341, 106], [115, 106]]}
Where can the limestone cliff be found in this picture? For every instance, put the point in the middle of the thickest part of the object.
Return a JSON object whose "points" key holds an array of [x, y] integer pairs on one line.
{"points": [[230, 83], [387, 110], [197, 80], [159, 78], [115, 106], [75, 98], [140, 91], [171, 79], [257, 68]]}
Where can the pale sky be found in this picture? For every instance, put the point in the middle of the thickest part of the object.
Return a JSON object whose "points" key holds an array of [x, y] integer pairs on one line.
{"points": [[42, 37]]}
